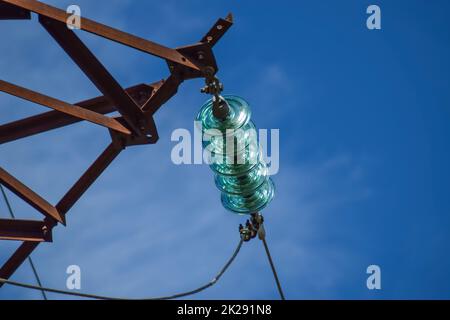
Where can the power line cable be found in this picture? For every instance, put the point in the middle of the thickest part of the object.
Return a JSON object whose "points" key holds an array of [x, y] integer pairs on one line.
{"points": [[93, 296], [258, 224], [274, 271], [33, 268], [214, 280]]}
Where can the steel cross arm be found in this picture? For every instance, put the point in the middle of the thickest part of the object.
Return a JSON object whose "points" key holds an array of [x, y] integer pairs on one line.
{"points": [[24, 230], [218, 30], [163, 91], [54, 119], [106, 32], [29, 196], [169, 86], [62, 106], [98, 74], [166, 90]]}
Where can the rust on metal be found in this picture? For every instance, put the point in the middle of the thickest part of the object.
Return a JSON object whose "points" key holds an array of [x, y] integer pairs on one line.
{"points": [[62, 106], [24, 230], [29, 196], [136, 105], [218, 30], [17, 258], [54, 119]]}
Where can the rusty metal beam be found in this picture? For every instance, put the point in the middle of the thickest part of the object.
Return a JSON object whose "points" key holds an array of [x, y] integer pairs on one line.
{"points": [[98, 74], [88, 178], [163, 93], [62, 106], [29, 196], [11, 12], [54, 119], [106, 32], [18, 257], [24, 230], [218, 30]]}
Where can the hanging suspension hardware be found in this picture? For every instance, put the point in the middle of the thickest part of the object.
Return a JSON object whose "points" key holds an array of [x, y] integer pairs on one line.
{"points": [[214, 87], [253, 227]]}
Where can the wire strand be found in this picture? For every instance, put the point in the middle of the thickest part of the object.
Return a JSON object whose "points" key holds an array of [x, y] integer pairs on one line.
{"points": [[8, 204], [99, 297], [274, 271], [33, 268]]}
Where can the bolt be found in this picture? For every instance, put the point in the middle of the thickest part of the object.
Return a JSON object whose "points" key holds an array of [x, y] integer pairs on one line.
{"points": [[200, 55]]}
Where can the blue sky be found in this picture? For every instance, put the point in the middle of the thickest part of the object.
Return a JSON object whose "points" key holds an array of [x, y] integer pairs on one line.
{"points": [[364, 160]]}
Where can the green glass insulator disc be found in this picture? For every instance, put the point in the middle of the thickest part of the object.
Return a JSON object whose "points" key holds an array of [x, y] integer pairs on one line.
{"points": [[238, 116], [247, 204], [245, 183], [236, 164], [231, 141]]}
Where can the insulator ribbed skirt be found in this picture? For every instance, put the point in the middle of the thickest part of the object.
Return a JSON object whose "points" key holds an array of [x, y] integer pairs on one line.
{"points": [[232, 145]]}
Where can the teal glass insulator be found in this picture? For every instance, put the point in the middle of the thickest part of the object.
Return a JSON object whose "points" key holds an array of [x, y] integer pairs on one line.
{"points": [[243, 183], [252, 202], [240, 173]]}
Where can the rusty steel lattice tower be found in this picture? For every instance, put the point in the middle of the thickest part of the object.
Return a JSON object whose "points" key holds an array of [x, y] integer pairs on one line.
{"points": [[136, 105]]}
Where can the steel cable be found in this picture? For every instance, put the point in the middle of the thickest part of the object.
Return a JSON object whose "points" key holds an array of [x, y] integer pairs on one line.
{"points": [[99, 297]]}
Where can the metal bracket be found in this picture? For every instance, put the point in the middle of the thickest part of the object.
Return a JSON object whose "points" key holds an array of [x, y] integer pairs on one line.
{"points": [[253, 227]]}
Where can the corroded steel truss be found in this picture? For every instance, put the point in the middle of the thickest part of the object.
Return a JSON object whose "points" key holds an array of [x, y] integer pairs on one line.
{"points": [[136, 106]]}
